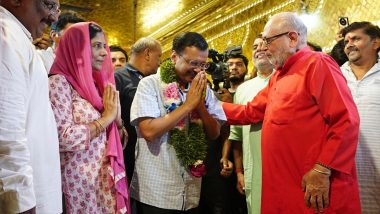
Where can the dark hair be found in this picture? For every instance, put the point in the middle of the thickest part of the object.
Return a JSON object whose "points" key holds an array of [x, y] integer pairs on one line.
{"points": [[239, 56], [315, 46], [337, 53], [66, 18], [373, 31], [188, 39], [370, 29], [115, 48], [94, 29]]}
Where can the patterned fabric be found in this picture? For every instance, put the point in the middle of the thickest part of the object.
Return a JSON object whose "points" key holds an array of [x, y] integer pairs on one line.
{"points": [[73, 61], [84, 164], [367, 98], [250, 136], [159, 179]]}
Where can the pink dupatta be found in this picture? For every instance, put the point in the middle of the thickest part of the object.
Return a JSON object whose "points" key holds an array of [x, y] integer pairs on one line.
{"points": [[73, 60]]}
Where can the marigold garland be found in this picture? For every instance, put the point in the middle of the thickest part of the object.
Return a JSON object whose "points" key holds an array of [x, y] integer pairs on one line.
{"points": [[167, 72], [188, 138], [189, 147]]}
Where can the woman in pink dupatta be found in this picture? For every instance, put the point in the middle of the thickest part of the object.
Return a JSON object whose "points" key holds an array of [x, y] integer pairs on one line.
{"points": [[87, 111]]}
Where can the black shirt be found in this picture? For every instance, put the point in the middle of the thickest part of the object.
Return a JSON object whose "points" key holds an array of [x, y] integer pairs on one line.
{"points": [[127, 80]]}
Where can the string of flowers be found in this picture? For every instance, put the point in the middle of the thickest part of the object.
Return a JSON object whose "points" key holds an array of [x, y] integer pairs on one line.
{"points": [[188, 137]]}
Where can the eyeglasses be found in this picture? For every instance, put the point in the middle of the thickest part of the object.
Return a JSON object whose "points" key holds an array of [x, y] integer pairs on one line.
{"points": [[52, 7], [196, 63], [269, 40]]}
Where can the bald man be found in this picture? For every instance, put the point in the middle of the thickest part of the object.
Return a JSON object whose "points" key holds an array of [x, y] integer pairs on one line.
{"points": [[310, 126]]}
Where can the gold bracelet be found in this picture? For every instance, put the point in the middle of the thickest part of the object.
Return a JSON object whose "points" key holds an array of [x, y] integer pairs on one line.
{"points": [[322, 172], [319, 163], [101, 126], [97, 132]]}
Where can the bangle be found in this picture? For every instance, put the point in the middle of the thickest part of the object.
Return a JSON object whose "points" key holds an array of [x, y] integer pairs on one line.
{"points": [[102, 129], [322, 172], [122, 125], [238, 170], [319, 163], [97, 132]]}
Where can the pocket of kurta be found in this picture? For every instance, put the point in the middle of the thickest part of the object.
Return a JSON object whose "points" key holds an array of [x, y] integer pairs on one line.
{"points": [[282, 108]]}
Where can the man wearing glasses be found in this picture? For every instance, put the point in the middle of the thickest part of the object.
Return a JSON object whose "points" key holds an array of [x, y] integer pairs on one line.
{"points": [[58, 28], [310, 126], [30, 179], [163, 102]]}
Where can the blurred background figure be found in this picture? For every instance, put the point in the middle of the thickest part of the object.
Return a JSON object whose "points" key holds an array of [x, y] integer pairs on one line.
{"points": [[65, 20], [246, 140], [338, 54], [119, 57], [314, 47], [362, 71], [47, 44]]}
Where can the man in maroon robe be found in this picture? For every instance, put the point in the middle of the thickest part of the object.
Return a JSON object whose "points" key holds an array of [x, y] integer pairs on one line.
{"points": [[310, 126]]}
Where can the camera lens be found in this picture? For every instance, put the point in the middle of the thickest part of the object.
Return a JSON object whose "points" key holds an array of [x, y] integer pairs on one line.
{"points": [[342, 21]]}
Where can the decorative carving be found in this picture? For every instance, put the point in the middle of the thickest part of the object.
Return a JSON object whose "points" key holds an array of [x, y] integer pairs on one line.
{"points": [[221, 22]]}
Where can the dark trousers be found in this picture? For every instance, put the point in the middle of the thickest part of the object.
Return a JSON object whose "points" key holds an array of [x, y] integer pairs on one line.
{"points": [[148, 209]]}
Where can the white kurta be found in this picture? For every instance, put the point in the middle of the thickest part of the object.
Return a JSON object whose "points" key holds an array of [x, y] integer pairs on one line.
{"points": [[30, 169], [47, 57], [366, 94]]}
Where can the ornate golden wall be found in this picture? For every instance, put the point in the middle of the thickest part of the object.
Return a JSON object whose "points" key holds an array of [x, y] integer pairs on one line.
{"points": [[222, 22]]}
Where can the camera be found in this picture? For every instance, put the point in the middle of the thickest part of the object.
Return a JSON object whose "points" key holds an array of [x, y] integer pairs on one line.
{"points": [[343, 22], [218, 68]]}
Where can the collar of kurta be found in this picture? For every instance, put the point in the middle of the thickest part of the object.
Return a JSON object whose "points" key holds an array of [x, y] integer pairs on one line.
{"points": [[133, 69], [294, 58]]}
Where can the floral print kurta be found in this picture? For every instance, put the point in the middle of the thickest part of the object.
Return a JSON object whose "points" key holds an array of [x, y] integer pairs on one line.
{"points": [[84, 165]]}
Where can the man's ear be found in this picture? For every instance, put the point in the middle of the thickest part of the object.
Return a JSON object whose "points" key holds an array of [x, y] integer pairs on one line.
{"points": [[376, 43], [53, 34], [294, 38], [147, 54], [174, 57]]}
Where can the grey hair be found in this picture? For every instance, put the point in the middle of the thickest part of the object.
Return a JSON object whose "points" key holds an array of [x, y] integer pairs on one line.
{"points": [[292, 22], [144, 43]]}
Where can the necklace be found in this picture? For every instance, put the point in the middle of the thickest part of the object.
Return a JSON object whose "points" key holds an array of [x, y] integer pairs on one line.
{"points": [[188, 137]]}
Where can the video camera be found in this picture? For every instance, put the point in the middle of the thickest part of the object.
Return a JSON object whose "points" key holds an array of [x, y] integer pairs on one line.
{"points": [[218, 68]]}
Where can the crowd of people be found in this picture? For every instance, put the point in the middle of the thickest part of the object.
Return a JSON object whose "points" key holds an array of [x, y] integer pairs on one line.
{"points": [[85, 128]]}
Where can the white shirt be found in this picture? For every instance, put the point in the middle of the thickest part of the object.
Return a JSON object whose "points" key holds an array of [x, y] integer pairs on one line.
{"points": [[159, 179], [47, 57], [29, 166], [366, 94]]}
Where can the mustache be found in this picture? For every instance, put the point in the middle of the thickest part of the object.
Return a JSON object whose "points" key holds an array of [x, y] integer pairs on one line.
{"points": [[352, 48], [47, 21], [260, 53]]}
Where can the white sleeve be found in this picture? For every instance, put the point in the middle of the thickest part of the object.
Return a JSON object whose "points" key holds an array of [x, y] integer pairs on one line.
{"points": [[47, 57], [146, 102], [214, 106], [16, 178]]}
